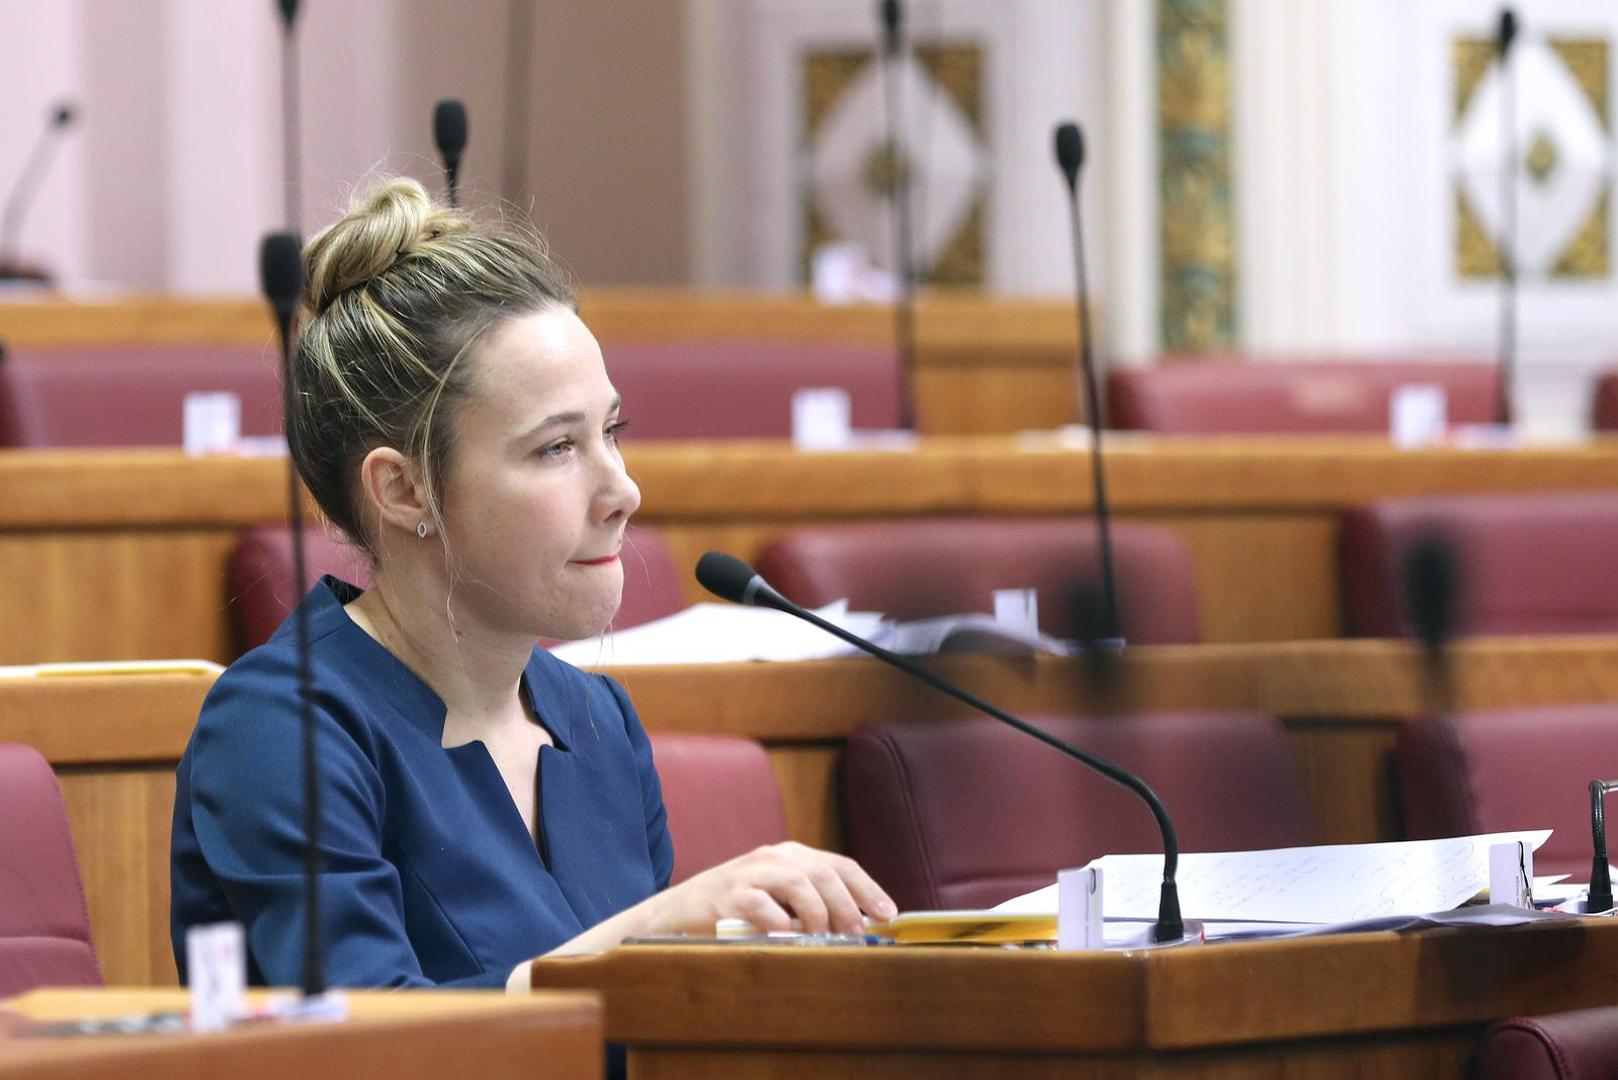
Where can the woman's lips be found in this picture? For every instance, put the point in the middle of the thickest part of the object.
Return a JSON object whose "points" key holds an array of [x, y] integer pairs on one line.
{"points": [[605, 560]]}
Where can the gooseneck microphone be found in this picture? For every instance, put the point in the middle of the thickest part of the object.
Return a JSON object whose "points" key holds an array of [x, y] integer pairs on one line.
{"points": [[728, 578], [1070, 159], [449, 135], [1431, 593], [29, 183], [291, 159], [1600, 896], [891, 16], [280, 272], [1505, 36]]}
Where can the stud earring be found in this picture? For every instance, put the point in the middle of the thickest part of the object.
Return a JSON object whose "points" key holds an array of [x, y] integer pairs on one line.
{"points": [[421, 529]]}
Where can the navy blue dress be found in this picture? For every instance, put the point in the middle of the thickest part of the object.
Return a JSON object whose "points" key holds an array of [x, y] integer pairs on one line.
{"points": [[431, 877]]}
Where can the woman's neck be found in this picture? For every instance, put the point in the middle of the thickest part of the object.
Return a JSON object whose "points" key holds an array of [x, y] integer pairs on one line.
{"points": [[476, 673]]}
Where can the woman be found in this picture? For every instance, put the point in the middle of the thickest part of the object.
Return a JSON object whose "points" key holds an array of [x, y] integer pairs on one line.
{"points": [[482, 802]]}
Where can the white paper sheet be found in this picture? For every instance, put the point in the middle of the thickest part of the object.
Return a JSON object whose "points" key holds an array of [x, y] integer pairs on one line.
{"points": [[1341, 883], [723, 633]]}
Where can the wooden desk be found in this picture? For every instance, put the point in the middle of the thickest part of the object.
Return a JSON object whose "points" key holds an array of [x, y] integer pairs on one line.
{"points": [[404, 1035], [114, 742], [1383, 1005], [122, 554], [983, 364]]}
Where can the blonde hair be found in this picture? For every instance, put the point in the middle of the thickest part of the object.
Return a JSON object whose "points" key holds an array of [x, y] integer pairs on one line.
{"points": [[395, 295]]}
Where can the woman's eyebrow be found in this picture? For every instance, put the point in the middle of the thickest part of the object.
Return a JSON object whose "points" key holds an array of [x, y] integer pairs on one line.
{"points": [[573, 416]]}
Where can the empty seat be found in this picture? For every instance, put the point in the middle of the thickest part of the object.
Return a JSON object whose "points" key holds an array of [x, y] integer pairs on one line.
{"points": [[1225, 395], [130, 395], [1578, 1045], [1604, 407], [916, 568], [1504, 770], [1525, 564], [44, 924], [743, 389], [967, 813], [721, 797], [262, 591]]}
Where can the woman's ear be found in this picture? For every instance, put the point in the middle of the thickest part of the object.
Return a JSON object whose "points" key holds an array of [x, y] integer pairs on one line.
{"points": [[394, 491]]}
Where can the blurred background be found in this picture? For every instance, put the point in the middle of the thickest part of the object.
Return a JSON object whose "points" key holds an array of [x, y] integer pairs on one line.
{"points": [[1268, 176]]}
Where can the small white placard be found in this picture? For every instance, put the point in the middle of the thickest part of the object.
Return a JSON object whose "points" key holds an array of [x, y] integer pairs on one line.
{"points": [[1078, 909], [216, 969], [1511, 872], [1017, 610], [1417, 416], [212, 423], [822, 418]]}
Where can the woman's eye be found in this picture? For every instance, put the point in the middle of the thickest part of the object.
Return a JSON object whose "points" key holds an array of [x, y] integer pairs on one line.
{"points": [[615, 430], [557, 449]]}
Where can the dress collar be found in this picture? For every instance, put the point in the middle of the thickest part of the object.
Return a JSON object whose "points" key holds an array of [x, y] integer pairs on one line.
{"points": [[554, 691]]}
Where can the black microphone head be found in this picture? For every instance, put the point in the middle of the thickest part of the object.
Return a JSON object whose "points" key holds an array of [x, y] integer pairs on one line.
{"points": [[289, 12], [726, 576], [1507, 33], [1070, 152], [1431, 590], [450, 129], [891, 16], [280, 272], [64, 114]]}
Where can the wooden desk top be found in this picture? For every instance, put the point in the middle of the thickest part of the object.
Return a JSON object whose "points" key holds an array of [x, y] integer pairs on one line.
{"points": [[404, 1034], [1197, 997], [686, 482], [80, 720]]}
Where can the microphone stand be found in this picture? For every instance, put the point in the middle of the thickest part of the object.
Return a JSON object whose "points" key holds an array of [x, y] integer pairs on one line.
{"points": [[904, 309], [1070, 158], [28, 182], [291, 161], [1600, 895], [1507, 34]]}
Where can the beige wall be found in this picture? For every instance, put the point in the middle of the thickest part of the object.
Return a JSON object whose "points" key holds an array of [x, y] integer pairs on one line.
{"points": [[607, 166]]}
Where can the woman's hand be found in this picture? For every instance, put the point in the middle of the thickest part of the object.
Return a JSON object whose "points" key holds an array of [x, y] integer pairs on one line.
{"points": [[770, 887]]}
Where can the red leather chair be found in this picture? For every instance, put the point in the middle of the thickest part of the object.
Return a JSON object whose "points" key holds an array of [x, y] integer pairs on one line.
{"points": [[916, 568], [1525, 564], [1604, 409], [1508, 769], [1580, 1045], [44, 925], [743, 389], [129, 395], [261, 590], [967, 813], [1235, 395], [721, 797]]}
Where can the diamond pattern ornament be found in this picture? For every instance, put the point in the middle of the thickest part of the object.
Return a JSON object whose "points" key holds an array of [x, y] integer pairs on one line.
{"points": [[1562, 152], [852, 164]]}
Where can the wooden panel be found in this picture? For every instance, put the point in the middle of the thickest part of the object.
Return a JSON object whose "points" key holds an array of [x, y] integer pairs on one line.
{"points": [[115, 595], [121, 821], [1348, 773], [807, 775], [399, 1034]]}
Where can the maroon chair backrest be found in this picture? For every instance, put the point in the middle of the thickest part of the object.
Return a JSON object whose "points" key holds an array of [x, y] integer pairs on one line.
{"points": [[721, 796], [743, 389], [1524, 564], [262, 592], [916, 568], [1579, 1045], [1231, 395], [1509, 769], [129, 395], [967, 813], [1604, 408], [44, 924], [261, 588]]}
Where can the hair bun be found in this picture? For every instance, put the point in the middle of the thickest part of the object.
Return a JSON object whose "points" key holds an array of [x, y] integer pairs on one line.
{"points": [[382, 226]]}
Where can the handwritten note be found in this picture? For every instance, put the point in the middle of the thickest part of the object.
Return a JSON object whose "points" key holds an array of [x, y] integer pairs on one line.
{"points": [[1329, 884]]}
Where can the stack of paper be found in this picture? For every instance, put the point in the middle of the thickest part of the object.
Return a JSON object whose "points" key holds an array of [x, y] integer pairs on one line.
{"points": [[724, 633]]}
